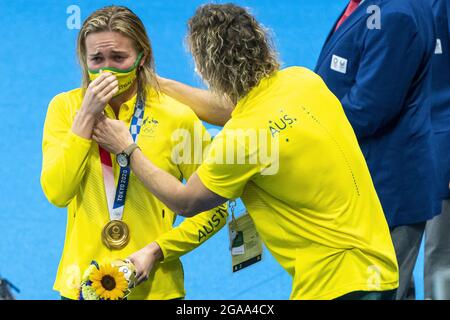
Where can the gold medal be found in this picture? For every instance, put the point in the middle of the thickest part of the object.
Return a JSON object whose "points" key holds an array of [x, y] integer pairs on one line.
{"points": [[116, 235]]}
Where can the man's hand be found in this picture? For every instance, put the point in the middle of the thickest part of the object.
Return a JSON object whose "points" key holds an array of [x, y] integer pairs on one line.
{"points": [[144, 261], [112, 135]]}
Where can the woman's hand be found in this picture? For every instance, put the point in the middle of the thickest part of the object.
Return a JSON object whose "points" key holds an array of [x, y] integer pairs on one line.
{"points": [[112, 135], [99, 93], [144, 260]]}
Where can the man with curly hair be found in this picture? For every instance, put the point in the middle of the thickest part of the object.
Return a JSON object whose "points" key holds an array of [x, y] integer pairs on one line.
{"points": [[312, 200]]}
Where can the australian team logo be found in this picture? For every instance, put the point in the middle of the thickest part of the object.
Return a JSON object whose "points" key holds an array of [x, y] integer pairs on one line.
{"points": [[149, 126]]}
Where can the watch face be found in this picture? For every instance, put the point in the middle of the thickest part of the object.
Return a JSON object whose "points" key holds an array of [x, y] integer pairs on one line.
{"points": [[122, 160]]}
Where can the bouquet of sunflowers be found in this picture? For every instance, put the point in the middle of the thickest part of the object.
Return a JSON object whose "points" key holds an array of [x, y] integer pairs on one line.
{"points": [[111, 281]]}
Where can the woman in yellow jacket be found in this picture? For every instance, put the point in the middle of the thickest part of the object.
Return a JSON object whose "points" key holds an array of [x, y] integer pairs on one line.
{"points": [[110, 212]]}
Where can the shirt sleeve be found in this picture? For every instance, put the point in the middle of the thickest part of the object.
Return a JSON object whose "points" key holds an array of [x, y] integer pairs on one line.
{"points": [[196, 230], [229, 178], [65, 154], [386, 71]]}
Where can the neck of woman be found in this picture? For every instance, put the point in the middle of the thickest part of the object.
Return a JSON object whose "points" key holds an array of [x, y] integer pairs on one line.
{"points": [[117, 102]]}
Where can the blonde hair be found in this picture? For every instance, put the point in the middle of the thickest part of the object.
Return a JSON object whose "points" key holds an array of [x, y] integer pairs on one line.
{"points": [[122, 20], [232, 51]]}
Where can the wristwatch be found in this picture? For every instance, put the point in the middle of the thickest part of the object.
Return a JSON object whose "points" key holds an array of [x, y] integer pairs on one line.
{"points": [[123, 158]]}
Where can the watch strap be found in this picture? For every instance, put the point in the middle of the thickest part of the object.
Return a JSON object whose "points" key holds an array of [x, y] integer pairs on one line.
{"points": [[130, 149]]}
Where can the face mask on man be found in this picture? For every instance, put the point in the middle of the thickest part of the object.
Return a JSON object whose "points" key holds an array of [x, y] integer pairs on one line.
{"points": [[125, 77]]}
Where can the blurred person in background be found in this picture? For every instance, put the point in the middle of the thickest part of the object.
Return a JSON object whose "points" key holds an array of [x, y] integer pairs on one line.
{"points": [[377, 61], [437, 231]]}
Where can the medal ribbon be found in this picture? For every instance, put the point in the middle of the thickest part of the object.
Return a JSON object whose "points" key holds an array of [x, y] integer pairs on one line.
{"points": [[116, 195]]}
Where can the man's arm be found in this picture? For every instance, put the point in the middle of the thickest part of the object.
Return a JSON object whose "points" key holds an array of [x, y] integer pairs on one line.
{"points": [[185, 200], [188, 200], [208, 106]]}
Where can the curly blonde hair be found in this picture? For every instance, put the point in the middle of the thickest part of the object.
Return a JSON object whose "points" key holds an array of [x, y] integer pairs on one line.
{"points": [[122, 20], [232, 51]]}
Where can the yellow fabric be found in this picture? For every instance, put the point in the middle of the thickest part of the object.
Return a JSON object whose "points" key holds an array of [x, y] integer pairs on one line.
{"points": [[72, 177], [319, 215]]}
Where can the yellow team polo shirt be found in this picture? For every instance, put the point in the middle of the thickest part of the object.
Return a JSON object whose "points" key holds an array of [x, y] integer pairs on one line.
{"points": [[72, 177], [314, 205]]}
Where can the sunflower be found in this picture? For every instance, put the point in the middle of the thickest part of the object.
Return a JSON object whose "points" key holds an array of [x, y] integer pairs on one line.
{"points": [[109, 283]]}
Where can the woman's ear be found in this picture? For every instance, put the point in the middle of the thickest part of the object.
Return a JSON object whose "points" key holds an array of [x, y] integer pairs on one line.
{"points": [[141, 64]]}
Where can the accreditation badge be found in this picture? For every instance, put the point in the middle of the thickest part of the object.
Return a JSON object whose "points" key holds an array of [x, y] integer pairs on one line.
{"points": [[245, 243]]}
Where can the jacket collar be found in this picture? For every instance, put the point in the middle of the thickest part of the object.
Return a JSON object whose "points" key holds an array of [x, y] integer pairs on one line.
{"points": [[334, 36]]}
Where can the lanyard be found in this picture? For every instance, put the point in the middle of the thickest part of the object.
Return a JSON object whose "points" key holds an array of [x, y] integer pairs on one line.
{"points": [[116, 195]]}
